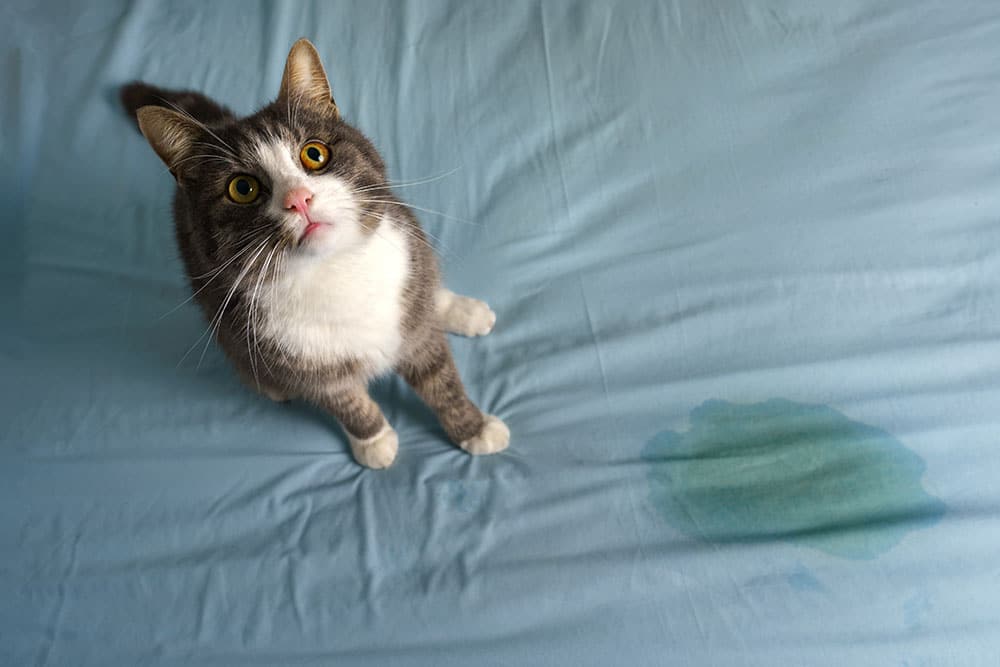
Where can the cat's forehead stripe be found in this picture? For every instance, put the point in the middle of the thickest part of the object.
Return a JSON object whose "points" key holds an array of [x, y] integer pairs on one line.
{"points": [[275, 157]]}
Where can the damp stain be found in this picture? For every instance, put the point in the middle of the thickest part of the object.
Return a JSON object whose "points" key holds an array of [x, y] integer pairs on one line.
{"points": [[463, 497], [802, 579], [799, 578], [915, 611], [780, 470]]}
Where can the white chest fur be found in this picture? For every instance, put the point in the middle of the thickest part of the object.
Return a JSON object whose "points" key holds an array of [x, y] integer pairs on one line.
{"points": [[347, 306]]}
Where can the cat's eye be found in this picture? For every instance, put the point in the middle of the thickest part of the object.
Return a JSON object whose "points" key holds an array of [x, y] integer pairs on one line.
{"points": [[314, 155], [243, 189]]}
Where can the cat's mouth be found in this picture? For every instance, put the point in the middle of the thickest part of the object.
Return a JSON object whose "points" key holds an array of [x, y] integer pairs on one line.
{"points": [[311, 228]]}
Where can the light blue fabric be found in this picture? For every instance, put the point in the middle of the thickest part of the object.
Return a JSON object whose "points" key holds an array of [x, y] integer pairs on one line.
{"points": [[676, 209]]}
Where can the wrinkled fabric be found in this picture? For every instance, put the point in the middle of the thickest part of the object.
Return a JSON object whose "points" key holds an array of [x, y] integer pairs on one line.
{"points": [[666, 203]]}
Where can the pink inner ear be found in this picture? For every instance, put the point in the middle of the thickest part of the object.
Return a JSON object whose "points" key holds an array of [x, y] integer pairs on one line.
{"points": [[298, 200]]}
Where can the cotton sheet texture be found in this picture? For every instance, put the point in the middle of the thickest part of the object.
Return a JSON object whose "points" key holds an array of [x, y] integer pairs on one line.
{"points": [[744, 257]]}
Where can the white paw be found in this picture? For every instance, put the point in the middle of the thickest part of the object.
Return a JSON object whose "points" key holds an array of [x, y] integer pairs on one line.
{"points": [[494, 437], [464, 315], [378, 451]]}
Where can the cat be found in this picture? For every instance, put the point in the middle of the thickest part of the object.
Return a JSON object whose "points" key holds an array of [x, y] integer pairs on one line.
{"points": [[316, 278]]}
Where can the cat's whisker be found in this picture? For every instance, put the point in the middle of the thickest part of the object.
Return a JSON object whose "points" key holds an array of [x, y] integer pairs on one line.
{"points": [[291, 364], [225, 304], [205, 159], [248, 235], [405, 184], [386, 239], [250, 329], [219, 269], [243, 249], [223, 154], [214, 273], [440, 244], [199, 124], [377, 219], [437, 239], [420, 208], [195, 344], [415, 236], [275, 273], [210, 327], [443, 247], [253, 313]]}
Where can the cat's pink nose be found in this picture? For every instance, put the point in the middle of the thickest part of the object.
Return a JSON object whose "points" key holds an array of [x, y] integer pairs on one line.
{"points": [[298, 200]]}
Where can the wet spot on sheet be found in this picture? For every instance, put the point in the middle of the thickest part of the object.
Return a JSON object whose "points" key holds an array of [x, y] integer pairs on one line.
{"points": [[802, 579], [780, 470], [462, 496], [915, 610], [799, 578]]}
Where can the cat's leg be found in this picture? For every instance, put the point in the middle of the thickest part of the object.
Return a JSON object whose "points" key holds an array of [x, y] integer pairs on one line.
{"points": [[263, 387], [374, 442], [462, 314], [431, 372]]}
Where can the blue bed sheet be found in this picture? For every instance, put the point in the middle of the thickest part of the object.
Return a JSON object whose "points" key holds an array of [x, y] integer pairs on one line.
{"points": [[746, 263]]}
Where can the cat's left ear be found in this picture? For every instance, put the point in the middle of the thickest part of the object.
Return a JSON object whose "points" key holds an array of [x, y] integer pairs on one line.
{"points": [[304, 76], [171, 134]]}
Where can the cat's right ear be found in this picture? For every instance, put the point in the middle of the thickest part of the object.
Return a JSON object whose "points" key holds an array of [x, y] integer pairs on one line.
{"points": [[304, 77], [171, 134]]}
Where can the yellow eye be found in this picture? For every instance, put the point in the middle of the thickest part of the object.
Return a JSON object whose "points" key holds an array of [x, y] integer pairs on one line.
{"points": [[243, 189], [314, 155]]}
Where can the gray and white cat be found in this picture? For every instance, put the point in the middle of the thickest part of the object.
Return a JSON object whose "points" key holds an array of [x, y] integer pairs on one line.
{"points": [[315, 276]]}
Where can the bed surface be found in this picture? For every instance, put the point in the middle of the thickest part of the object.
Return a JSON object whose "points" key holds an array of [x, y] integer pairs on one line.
{"points": [[744, 258]]}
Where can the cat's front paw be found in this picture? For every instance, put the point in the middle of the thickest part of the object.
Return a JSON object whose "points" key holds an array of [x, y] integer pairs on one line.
{"points": [[492, 438], [378, 451], [464, 315]]}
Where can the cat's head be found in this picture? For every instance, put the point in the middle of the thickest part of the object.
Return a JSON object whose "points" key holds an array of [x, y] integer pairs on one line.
{"points": [[292, 177]]}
